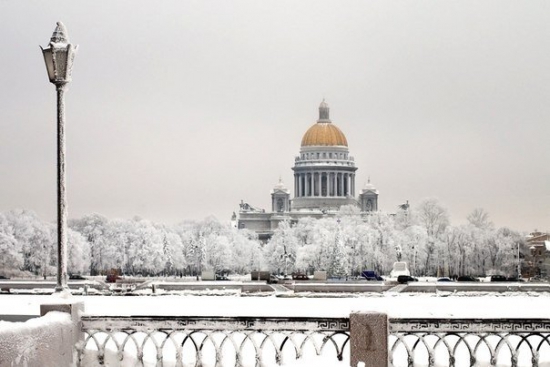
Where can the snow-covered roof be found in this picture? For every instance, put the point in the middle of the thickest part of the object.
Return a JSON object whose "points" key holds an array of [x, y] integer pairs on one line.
{"points": [[280, 187], [370, 187]]}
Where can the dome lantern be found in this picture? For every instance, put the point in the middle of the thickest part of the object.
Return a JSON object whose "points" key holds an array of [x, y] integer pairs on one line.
{"points": [[324, 112]]}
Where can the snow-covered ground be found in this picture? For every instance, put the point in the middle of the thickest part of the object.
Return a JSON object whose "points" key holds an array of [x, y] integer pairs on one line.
{"points": [[414, 305]]}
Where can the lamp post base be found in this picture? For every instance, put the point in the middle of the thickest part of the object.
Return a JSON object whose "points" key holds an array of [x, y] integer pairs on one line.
{"points": [[62, 289]]}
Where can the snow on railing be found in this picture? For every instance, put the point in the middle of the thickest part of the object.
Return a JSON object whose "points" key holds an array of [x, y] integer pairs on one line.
{"points": [[470, 342], [37, 342], [369, 338], [205, 341]]}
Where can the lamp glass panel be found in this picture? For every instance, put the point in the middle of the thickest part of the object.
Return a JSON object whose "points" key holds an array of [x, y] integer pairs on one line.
{"points": [[60, 58], [48, 59]]}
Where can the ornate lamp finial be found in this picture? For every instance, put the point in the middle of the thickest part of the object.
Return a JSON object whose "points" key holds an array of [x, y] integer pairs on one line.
{"points": [[60, 34]]}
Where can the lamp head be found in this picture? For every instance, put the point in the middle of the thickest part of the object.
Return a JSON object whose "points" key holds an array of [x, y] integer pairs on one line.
{"points": [[59, 56]]}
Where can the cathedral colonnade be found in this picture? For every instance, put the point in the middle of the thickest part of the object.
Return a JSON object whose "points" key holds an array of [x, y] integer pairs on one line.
{"points": [[324, 184]]}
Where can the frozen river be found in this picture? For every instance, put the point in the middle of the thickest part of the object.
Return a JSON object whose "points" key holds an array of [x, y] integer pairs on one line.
{"points": [[417, 305]]}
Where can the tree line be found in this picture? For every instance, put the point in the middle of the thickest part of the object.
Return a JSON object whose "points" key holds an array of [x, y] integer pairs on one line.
{"points": [[342, 245]]}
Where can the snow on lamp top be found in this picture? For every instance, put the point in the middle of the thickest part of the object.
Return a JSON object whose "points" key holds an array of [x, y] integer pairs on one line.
{"points": [[60, 34]]}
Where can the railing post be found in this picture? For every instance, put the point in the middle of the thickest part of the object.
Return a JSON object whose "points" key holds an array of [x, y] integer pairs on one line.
{"points": [[74, 309], [369, 339]]}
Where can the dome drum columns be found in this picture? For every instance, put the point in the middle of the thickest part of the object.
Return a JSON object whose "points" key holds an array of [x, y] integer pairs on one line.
{"points": [[324, 183]]}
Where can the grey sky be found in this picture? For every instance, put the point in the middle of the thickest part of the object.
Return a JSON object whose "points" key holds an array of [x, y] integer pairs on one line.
{"points": [[180, 109]]}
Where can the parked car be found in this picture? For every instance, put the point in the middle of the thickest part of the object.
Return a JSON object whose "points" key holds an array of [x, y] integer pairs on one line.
{"points": [[76, 277], [444, 279], [273, 279], [403, 279], [515, 279], [371, 275], [112, 278], [221, 277], [467, 278], [499, 278], [299, 276], [3, 277]]}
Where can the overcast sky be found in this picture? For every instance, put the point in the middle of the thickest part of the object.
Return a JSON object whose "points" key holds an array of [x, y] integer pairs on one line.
{"points": [[180, 109]]}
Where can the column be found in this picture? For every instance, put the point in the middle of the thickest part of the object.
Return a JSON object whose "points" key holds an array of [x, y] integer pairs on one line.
{"points": [[312, 184], [346, 181], [369, 333]]}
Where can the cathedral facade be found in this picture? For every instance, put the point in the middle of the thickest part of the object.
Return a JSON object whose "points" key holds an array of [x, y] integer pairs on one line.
{"points": [[324, 180]]}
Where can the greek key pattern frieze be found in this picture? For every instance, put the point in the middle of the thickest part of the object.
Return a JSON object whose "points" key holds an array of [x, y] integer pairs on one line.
{"points": [[472, 325]]}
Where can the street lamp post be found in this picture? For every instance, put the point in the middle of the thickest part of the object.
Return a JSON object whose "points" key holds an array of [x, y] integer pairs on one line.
{"points": [[414, 259], [534, 262], [519, 264], [286, 256], [59, 56]]}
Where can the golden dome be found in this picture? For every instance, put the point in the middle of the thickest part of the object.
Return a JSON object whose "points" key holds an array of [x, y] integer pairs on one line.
{"points": [[324, 133]]}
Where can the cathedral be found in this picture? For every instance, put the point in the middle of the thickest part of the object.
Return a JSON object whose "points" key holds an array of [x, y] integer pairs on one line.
{"points": [[324, 180]]}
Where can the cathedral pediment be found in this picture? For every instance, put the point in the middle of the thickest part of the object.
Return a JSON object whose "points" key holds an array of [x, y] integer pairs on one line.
{"points": [[278, 191]]}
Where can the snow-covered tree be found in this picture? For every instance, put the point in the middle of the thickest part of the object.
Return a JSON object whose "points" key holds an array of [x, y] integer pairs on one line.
{"points": [[432, 216], [93, 228], [11, 250], [78, 253], [337, 259], [280, 252]]}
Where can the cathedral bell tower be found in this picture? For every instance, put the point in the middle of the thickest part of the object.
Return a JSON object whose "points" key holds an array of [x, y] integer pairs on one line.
{"points": [[368, 199], [280, 198]]}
